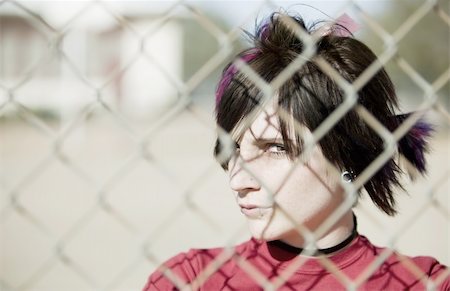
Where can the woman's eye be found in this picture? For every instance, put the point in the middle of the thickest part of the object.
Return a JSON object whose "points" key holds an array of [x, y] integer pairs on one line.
{"points": [[277, 149]]}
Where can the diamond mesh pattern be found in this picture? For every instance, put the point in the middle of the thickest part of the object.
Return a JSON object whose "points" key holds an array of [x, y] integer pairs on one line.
{"points": [[107, 136]]}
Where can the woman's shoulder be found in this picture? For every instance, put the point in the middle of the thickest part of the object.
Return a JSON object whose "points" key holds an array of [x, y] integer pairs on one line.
{"points": [[426, 269], [416, 270], [186, 267], [427, 264]]}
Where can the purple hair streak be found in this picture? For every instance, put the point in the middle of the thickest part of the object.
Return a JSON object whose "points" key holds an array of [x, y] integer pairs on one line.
{"points": [[231, 71], [414, 144]]}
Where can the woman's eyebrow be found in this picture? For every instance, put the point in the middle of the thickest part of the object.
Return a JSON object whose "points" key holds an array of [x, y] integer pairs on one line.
{"points": [[264, 141]]}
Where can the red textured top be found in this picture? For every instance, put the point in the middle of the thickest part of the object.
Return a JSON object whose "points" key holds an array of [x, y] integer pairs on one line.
{"points": [[251, 265]]}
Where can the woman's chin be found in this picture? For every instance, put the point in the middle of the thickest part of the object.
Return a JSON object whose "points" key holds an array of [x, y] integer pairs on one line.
{"points": [[264, 232], [261, 231]]}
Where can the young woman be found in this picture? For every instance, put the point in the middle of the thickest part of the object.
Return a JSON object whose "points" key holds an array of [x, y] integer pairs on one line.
{"points": [[296, 194]]}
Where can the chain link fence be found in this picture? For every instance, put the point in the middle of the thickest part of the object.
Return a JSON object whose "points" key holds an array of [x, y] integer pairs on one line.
{"points": [[107, 131]]}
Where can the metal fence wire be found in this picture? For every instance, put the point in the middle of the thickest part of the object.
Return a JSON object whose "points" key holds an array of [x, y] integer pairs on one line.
{"points": [[107, 134]]}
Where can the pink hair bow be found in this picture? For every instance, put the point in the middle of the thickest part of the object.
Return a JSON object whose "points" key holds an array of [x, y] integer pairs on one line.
{"points": [[344, 25]]}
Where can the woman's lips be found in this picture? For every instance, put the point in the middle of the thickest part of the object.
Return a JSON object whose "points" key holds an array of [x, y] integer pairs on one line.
{"points": [[253, 211]]}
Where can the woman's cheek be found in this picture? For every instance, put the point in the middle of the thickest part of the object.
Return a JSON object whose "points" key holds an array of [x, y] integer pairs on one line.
{"points": [[277, 174]]}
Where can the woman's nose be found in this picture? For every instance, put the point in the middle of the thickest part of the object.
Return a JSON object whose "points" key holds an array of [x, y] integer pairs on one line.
{"points": [[242, 177]]}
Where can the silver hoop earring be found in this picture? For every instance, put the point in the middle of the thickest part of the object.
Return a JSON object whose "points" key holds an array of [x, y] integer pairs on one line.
{"points": [[347, 177]]}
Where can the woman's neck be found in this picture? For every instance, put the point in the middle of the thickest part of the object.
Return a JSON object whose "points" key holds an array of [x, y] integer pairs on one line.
{"points": [[338, 233]]}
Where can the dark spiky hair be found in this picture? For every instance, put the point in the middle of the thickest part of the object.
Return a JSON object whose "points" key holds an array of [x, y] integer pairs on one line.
{"points": [[311, 95]]}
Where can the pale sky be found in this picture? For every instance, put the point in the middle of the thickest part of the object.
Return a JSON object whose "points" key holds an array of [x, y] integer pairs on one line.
{"points": [[242, 13], [235, 13]]}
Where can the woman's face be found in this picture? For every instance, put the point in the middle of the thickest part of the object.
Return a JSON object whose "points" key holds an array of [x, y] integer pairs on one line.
{"points": [[275, 192]]}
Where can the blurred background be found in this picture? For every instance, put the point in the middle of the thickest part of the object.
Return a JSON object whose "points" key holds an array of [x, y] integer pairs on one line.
{"points": [[107, 132]]}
